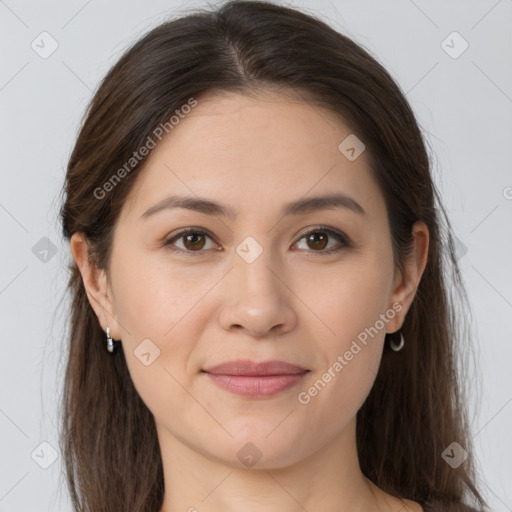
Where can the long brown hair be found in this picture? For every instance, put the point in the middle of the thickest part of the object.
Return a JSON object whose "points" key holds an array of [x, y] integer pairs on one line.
{"points": [[417, 406]]}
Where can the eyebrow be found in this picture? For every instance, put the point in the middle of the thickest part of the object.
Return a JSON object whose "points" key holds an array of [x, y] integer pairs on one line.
{"points": [[300, 207]]}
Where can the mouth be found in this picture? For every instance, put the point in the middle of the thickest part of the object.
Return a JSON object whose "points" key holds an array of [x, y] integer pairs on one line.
{"points": [[256, 380]]}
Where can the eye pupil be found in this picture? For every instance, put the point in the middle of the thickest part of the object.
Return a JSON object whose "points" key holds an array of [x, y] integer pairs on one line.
{"points": [[314, 238], [187, 240]]}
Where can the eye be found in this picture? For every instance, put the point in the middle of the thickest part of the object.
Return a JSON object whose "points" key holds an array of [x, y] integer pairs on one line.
{"points": [[193, 240], [317, 240]]}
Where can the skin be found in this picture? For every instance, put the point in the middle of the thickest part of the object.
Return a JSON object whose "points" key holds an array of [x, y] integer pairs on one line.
{"points": [[292, 303]]}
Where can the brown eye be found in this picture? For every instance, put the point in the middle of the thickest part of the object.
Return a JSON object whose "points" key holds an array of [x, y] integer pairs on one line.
{"points": [[192, 240], [318, 239]]}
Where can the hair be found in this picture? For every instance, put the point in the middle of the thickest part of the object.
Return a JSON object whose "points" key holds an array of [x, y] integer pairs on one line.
{"points": [[417, 405]]}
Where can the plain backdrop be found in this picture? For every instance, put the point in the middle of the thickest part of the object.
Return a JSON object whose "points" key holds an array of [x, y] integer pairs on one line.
{"points": [[461, 96]]}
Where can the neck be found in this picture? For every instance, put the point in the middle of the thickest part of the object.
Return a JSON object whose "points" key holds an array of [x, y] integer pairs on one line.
{"points": [[329, 479]]}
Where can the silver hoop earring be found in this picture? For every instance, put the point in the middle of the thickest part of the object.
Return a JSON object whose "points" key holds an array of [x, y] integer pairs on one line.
{"points": [[110, 343], [398, 347]]}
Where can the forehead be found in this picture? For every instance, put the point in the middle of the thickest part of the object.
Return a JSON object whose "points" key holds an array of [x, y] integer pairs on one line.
{"points": [[256, 152]]}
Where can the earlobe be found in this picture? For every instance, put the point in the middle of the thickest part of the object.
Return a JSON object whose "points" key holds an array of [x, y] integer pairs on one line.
{"points": [[95, 283]]}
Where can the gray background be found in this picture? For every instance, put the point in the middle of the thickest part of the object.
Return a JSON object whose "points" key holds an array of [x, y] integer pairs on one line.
{"points": [[463, 104]]}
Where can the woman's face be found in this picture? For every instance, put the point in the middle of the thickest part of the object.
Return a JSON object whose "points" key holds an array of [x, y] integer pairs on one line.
{"points": [[263, 283]]}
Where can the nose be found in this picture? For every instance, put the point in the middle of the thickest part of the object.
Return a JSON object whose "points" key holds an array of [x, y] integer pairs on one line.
{"points": [[257, 299]]}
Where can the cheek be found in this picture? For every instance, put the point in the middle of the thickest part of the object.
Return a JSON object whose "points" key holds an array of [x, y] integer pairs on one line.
{"points": [[350, 358], [163, 330], [346, 302], [151, 297], [154, 311], [353, 321]]}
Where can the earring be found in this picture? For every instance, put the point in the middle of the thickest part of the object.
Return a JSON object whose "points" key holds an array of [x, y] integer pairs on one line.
{"points": [[398, 347], [110, 343]]}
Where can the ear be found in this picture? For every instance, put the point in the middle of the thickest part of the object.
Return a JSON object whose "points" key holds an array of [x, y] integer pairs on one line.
{"points": [[406, 285], [96, 285]]}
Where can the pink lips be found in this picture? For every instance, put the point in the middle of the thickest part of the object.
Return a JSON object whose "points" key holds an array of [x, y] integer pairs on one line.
{"points": [[248, 378]]}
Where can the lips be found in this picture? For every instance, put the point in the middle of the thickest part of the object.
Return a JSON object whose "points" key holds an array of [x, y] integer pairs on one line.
{"points": [[251, 368], [256, 380]]}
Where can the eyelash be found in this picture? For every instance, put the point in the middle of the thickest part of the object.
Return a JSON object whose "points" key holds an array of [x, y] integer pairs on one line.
{"points": [[341, 237]]}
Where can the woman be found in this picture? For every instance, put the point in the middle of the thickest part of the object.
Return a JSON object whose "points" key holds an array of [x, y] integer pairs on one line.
{"points": [[260, 314]]}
